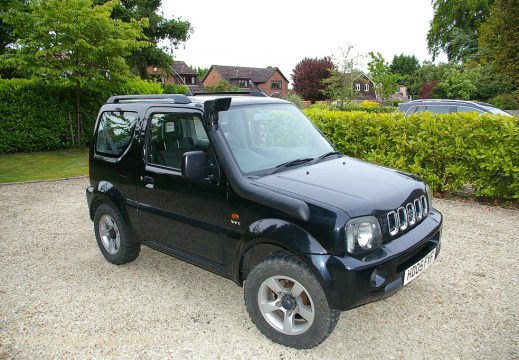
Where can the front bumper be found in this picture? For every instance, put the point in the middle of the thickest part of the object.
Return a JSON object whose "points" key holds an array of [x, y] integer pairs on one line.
{"points": [[353, 281]]}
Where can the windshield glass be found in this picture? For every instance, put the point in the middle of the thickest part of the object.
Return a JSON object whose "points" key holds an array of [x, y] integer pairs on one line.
{"points": [[266, 136]]}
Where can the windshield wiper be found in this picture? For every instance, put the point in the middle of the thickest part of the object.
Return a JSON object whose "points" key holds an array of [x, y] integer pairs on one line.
{"points": [[324, 156], [290, 163]]}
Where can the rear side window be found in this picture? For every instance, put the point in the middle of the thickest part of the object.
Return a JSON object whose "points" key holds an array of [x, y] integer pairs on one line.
{"points": [[115, 132], [463, 109]]}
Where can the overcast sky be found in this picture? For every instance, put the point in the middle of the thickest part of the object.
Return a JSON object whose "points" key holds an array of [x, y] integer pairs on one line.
{"points": [[282, 33]]}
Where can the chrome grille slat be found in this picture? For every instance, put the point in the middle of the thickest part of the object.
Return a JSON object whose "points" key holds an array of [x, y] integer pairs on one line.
{"points": [[407, 216]]}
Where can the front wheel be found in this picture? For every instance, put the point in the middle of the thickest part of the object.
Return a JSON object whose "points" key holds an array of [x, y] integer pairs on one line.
{"points": [[287, 304], [112, 236]]}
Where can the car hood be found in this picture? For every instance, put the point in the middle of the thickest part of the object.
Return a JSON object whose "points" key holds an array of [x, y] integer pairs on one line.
{"points": [[357, 187]]}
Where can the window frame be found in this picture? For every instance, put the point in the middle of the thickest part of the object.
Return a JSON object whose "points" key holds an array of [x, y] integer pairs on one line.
{"points": [[277, 82]]}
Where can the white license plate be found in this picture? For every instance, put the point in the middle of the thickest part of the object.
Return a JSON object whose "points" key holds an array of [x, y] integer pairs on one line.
{"points": [[417, 269]]}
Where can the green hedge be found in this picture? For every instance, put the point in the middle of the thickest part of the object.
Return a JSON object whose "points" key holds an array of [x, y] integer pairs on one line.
{"points": [[34, 114], [448, 151]]}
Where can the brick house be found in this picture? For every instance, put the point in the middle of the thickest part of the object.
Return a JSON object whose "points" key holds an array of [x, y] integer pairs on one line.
{"points": [[269, 80], [179, 73], [363, 86]]}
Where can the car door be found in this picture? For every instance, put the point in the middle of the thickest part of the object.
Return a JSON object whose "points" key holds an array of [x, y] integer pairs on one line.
{"points": [[185, 215]]}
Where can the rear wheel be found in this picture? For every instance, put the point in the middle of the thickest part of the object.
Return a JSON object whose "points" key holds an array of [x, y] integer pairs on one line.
{"points": [[287, 304], [112, 236]]}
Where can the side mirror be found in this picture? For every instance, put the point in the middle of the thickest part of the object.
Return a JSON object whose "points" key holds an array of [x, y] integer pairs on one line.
{"points": [[195, 165]]}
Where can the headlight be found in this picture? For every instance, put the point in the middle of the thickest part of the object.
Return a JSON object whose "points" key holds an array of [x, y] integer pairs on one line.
{"points": [[363, 234], [428, 194]]}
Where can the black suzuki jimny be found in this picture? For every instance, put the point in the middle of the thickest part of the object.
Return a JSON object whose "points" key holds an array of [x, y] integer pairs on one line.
{"points": [[249, 188]]}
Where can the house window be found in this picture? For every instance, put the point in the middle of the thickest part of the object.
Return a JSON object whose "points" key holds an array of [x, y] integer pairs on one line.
{"points": [[189, 80], [276, 84], [357, 87], [366, 87]]}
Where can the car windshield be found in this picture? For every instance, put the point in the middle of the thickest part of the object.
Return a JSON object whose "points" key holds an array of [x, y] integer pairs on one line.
{"points": [[266, 137]]}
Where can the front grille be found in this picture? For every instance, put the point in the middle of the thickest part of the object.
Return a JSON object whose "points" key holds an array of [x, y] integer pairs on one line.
{"points": [[407, 216]]}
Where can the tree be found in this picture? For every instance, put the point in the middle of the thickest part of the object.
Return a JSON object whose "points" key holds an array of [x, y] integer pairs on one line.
{"points": [[427, 73], [339, 85], [73, 40], [384, 81], [307, 78], [488, 81], [455, 27], [404, 65], [426, 91], [454, 85], [500, 37], [170, 33]]}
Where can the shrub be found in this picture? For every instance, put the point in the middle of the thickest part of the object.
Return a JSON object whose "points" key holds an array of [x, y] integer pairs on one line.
{"points": [[447, 150], [367, 103], [34, 115], [294, 98], [505, 102], [175, 89]]}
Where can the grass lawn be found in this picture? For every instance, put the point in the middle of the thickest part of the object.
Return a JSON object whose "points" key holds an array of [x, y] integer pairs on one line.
{"points": [[43, 165]]}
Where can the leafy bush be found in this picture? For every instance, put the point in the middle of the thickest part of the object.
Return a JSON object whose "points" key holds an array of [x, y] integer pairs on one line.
{"points": [[34, 115], [367, 103], [447, 150], [505, 102], [221, 86], [175, 89], [294, 98]]}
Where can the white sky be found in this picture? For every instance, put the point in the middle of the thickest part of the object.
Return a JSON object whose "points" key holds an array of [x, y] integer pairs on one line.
{"points": [[282, 33]]}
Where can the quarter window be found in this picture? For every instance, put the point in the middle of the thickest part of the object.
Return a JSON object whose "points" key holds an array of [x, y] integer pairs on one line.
{"points": [[114, 133], [463, 109]]}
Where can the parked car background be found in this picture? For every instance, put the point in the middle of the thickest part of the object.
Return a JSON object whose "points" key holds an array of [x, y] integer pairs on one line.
{"points": [[448, 107]]}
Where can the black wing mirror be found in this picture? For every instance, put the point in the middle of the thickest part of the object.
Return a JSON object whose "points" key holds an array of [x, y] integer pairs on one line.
{"points": [[195, 165]]}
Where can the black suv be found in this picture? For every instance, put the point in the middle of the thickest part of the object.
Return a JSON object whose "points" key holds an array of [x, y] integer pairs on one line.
{"points": [[248, 188], [448, 107]]}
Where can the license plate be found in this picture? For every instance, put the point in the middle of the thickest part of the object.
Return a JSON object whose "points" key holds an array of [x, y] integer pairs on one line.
{"points": [[417, 269]]}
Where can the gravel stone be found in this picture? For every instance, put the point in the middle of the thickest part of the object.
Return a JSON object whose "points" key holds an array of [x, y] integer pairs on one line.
{"points": [[60, 299]]}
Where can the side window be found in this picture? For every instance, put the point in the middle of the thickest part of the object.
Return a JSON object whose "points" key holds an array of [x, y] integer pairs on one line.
{"points": [[439, 109], [464, 109], [115, 132], [171, 135]]}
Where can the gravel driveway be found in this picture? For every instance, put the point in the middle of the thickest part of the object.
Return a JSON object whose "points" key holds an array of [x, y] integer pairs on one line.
{"points": [[59, 298]]}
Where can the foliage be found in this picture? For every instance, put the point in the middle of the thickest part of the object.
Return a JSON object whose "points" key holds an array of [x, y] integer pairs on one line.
{"points": [[505, 102], [175, 89], [500, 37], [447, 150], [426, 91], [384, 81], [453, 85], [295, 99], [222, 85], [73, 40], [201, 71], [404, 66], [307, 78], [40, 119], [455, 25], [340, 85], [367, 103], [426, 74], [165, 35], [487, 81]]}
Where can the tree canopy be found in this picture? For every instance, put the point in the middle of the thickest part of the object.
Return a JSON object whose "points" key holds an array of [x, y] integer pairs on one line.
{"points": [[455, 27], [307, 78], [384, 81], [500, 38], [404, 64], [164, 35], [73, 40]]}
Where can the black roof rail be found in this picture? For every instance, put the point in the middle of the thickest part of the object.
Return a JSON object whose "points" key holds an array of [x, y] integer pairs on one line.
{"points": [[243, 93], [177, 98]]}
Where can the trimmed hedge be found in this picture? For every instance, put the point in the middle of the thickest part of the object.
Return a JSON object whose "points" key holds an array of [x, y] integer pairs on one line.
{"points": [[34, 114], [447, 150]]}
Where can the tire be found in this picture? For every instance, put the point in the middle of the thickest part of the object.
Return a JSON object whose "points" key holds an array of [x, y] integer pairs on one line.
{"points": [[113, 237], [287, 304]]}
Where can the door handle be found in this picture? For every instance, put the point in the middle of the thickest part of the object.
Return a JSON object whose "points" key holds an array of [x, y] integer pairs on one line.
{"points": [[148, 181]]}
